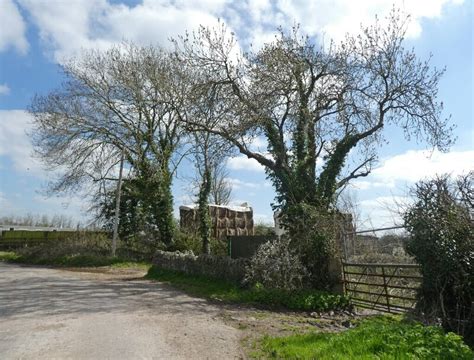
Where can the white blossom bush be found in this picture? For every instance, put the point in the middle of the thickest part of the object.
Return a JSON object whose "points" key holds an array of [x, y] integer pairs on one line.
{"points": [[276, 266]]}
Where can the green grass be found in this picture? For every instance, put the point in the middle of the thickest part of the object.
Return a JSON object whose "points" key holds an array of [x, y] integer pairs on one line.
{"points": [[74, 261], [126, 264], [309, 300], [379, 337], [8, 256]]}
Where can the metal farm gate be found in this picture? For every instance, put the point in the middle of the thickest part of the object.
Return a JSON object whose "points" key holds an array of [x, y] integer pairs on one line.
{"points": [[384, 287]]}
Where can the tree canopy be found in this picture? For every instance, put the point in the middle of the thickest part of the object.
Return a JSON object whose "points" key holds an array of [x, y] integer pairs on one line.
{"points": [[318, 104], [123, 99], [321, 108]]}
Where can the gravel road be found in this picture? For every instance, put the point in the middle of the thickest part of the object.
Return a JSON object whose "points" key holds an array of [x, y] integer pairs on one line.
{"points": [[58, 314]]}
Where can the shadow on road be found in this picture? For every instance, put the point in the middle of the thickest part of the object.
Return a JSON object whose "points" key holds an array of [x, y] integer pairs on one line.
{"points": [[26, 291]]}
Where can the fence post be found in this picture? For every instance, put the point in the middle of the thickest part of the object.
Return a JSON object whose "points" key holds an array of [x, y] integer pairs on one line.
{"points": [[344, 279], [385, 288], [336, 275]]}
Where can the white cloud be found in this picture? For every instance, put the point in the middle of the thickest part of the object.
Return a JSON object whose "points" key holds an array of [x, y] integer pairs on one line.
{"points": [[4, 89], [397, 173], [382, 211], [256, 143], [69, 26], [415, 165], [13, 28], [242, 162], [239, 184], [392, 203], [70, 206], [75, 204], [335, 18], [366, 184], [15, 144]]}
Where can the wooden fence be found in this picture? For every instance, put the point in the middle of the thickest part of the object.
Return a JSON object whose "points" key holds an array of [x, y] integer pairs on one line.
{"points": [[384, 287]]}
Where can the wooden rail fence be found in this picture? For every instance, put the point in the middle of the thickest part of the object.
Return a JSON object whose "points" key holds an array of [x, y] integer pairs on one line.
{"points": [[384, 287]]}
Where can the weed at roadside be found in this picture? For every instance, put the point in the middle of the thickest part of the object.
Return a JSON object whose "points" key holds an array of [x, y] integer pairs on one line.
{"points": [[379, 337], [8, 256]]}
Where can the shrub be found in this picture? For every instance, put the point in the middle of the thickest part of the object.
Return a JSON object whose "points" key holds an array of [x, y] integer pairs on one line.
{"points": [[78, 243], [276, 266], [265, 229], [185, 242], [191, 241], [442, 243], [82, 248], [219, 247], [299, 300]]}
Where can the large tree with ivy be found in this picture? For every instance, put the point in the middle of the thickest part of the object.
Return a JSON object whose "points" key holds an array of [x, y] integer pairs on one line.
{"points": [[322, 108], [317, 104], [122, 100]]}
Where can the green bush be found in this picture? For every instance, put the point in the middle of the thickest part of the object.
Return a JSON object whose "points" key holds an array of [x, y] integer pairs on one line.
{"points": [[78, 243], [303, 300], [186, 241], [79, 249], [263, 229], [219, 247], [189, 241], [276, 265], [442, 242], [373, 338]]}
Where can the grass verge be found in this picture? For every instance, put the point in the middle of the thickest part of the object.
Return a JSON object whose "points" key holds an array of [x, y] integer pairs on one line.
{"points": [[74, 261], [8, 256], [308, 300], [380, 337]]}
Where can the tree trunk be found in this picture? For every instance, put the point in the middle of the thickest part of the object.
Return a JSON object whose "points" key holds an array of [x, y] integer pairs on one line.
{"points": [[117, 207], [164, 215], [203, 211]]}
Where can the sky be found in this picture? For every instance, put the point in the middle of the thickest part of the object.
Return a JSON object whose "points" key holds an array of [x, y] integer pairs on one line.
{"points": [[36, 36]]}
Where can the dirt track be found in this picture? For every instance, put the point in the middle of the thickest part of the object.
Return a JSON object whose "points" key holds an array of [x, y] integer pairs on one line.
{"points": [[57, 314]]}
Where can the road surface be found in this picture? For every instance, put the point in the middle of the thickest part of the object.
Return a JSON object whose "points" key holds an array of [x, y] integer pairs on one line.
{"points": [[58, 314]]}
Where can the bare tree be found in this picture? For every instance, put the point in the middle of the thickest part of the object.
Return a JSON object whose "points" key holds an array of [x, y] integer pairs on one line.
{"points": [[209, 150], [465, 195], [221, 188], [348, 203], [121, 100], [316, 104]]}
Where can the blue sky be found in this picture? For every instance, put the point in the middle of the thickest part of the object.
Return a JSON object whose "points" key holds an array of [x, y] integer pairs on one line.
{"points": [[36, 36]]}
